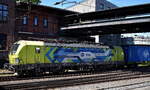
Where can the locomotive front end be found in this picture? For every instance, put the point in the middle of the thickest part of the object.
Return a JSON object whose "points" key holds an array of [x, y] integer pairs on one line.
{"points": [[14, 60], [13, 55]]}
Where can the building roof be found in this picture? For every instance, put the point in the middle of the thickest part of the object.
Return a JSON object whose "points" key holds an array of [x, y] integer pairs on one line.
{"points": [[24, 6]]}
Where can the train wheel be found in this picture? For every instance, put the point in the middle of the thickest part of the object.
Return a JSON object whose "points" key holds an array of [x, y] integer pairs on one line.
{"points": [[38, 72], [20, 73]]}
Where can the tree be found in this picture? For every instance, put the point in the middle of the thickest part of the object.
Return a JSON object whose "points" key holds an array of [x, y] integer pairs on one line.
{"points": [[30, 1]]}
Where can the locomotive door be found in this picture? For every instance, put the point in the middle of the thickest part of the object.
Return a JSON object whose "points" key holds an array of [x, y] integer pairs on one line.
{"points": [[37, 54]]}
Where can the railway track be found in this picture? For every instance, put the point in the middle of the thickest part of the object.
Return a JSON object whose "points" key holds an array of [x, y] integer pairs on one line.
{"points": [[129, 86], [69, 74], [72, 82], [87, 79]]}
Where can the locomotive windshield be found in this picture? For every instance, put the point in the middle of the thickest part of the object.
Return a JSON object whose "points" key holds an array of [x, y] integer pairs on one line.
{"points": [[14, 48]]}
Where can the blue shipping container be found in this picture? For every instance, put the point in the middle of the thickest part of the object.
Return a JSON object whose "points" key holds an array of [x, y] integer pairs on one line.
{"points": [[137, 53]]}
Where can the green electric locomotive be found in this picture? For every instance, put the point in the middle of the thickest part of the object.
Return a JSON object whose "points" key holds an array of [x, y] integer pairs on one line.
{"points": [[39, 56]]}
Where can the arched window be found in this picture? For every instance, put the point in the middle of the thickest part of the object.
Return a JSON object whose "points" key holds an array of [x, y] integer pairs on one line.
{"points": [[25, 20], [3, 12], [45, 22], [35, 21]]}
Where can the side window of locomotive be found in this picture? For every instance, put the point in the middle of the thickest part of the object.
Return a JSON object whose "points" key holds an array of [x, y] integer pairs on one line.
{"points": [[37, 50]]}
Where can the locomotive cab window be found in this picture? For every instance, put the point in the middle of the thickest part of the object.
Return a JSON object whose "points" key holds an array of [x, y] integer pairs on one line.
{"points": [[14, 48], [37, 50]]}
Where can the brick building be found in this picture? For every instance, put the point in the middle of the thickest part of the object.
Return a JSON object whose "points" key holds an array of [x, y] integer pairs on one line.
{"points": [[38, 21], [7, 25]]}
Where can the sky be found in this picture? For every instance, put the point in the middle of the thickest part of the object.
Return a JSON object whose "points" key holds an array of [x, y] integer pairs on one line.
{"points": [[119, 3]]}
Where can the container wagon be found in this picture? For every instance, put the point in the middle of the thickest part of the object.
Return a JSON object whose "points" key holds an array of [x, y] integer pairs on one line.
{"points": [[136, 54]]}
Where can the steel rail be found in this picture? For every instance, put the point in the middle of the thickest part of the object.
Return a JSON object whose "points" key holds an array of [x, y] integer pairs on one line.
{"points": [[78, 81]]}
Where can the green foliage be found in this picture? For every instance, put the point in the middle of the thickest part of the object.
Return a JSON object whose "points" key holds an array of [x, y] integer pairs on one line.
{"points": [[32, 1]]}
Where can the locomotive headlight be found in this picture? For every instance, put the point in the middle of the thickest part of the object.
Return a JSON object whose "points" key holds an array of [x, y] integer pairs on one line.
{"points": [[17, 60]]}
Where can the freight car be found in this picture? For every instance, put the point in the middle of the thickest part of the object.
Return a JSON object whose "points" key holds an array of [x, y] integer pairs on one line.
{"points": [[136, 54], [39, 56]]}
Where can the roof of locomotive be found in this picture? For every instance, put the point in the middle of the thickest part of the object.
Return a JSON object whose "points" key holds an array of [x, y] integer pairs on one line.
{"points": [[42, 43], [26, 42]]}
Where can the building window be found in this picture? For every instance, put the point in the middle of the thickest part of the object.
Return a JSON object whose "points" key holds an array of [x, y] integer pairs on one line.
{"points": [[25, 20], [101, 6], [3, 12], [35, 21], [45, 22]]}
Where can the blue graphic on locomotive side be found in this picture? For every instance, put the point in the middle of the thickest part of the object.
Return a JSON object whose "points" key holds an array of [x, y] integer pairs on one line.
{"points": [[78, 55]]}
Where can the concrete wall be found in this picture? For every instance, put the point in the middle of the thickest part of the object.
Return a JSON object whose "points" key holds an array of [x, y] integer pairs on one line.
{"points": [[91, 5], [104, 5], [84, 6]]}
